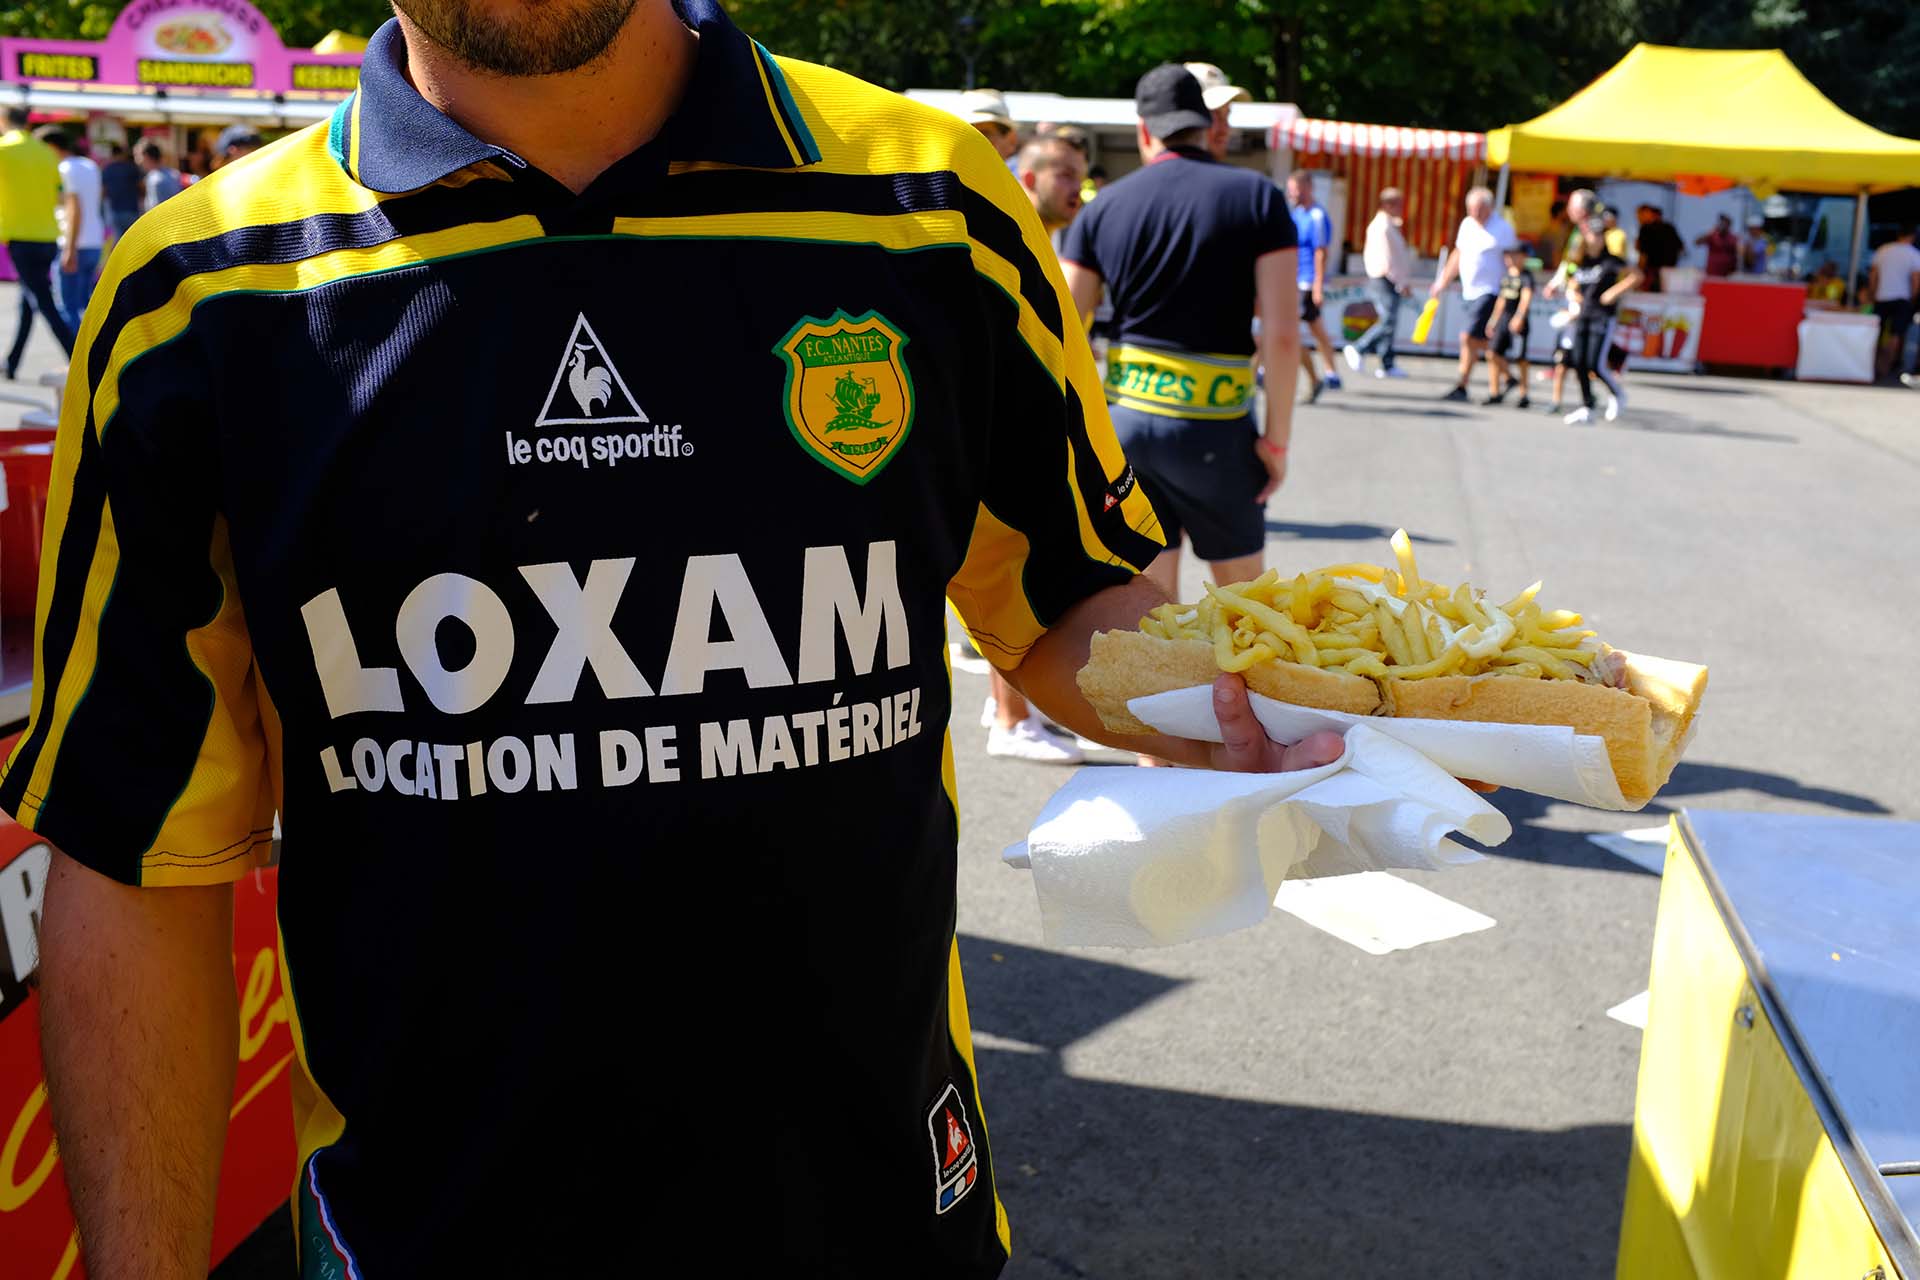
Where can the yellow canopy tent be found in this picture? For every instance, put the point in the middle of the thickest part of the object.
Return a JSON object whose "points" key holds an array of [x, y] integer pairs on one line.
{"points": [[337, 41], [1744, 114]]}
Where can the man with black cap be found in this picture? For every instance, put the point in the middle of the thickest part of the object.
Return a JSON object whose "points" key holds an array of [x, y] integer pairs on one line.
{"points": [[236, 140], [1190, 249]]}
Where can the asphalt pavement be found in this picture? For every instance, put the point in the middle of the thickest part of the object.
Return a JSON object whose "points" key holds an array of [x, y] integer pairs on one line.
{"points": [[1281, 1103]]}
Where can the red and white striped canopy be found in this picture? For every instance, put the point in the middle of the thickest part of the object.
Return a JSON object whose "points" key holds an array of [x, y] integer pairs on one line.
{"points": [[1343, 138]]}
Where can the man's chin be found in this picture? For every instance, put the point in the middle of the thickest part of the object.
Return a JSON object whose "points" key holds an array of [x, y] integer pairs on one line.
{"points": [[521, 38]]}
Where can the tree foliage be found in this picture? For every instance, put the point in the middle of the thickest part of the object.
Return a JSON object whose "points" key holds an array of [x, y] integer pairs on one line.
{"points": [[1463, 64]]}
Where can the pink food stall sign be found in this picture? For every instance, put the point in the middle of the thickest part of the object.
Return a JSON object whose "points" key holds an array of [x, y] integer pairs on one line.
{"points": [[198, 45]]}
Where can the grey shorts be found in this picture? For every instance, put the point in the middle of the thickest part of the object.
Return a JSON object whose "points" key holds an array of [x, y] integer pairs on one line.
{"points": [[1202, 478]]}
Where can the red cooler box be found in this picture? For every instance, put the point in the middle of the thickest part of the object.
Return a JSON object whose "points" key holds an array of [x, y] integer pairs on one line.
{"points": [[1752, 323]]}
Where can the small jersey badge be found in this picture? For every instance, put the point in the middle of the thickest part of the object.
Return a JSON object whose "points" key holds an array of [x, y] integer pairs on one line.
{"points": [[956, 1165], [849, 397]]}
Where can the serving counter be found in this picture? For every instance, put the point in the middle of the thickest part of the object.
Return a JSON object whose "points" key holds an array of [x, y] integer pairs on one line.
{"points": [[1777, 1127], [1659, 331]]}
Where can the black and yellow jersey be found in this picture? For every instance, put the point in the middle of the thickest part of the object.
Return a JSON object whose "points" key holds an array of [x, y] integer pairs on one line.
{"points": [[568, 571]]}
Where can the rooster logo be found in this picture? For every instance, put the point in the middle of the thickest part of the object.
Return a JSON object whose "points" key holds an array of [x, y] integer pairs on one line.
{"points": [[591, 384], [587, 388], [956, 1139]]}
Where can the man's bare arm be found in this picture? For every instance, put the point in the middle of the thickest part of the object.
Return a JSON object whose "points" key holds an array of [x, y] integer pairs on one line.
{"points": [[139, 1028], [70, 207], [1086, 287], [1276, 291], [1046, 677]]}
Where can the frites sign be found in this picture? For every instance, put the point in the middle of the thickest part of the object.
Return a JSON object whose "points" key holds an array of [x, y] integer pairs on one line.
{"points": [[37, 1238], [223, 45]]}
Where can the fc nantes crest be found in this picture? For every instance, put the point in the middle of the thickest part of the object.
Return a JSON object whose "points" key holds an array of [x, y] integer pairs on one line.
{"points": [[849, 398]]}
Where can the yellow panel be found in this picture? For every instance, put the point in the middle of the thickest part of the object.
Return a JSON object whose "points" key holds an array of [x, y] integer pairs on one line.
{"points": [[1732, 1174]]}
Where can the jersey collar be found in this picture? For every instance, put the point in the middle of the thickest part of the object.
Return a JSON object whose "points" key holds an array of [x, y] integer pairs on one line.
{"points": [[737, 110]]}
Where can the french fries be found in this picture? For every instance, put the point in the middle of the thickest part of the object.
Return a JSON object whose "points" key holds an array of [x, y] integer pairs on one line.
{"points": [[1383, 623]]}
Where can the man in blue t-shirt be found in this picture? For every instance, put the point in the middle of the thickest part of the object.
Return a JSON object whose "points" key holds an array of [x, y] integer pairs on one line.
{"points": [[1190, 250], [1314, 231]]}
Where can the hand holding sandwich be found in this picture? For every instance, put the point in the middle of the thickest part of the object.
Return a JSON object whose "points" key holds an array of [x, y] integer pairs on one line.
{"points": [[1365, 640], [1048, 678]]}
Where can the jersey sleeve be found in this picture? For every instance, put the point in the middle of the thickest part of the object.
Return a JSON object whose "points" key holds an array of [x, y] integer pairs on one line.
{"points": [[1060, 514], [145, 756]]}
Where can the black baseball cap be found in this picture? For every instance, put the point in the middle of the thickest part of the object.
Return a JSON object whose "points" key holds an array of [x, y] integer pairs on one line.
{"points": [[1169, 99], [238, 135]]}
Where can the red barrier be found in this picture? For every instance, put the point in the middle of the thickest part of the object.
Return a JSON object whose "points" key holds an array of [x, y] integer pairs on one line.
{"points": [[37, 1239], [27, 456]]}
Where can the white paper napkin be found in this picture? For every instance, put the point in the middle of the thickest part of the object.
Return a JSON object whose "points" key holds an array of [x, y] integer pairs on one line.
{"points": [[1152, 857]]}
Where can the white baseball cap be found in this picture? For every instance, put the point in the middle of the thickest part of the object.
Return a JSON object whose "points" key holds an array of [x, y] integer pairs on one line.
{"points": [[985, 106], [1214, 87]]}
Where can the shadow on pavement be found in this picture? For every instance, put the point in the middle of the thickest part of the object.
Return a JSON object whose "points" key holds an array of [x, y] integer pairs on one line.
{"points": [[1112, 1181], [1704, 779], [1693, 386], [1349, 531], [1431, 399], [1426, 408], [1077, 995], [1106, 1180], [1675, 424], [1547, 845]]}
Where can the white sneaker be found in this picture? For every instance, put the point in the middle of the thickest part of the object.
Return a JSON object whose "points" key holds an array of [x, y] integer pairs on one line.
{"points": [[1616, 406], [989, 712], [965, 659], [1029, 741], [1579, 417], [1352, 354], [1910, 380], [1395, 372]]}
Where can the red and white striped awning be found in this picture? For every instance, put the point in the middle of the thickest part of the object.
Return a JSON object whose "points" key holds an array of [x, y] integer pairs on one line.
{"points": [[1343, 138]]}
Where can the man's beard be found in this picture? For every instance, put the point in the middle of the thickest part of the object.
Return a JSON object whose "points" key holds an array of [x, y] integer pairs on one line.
{"points": [[538, 38]]}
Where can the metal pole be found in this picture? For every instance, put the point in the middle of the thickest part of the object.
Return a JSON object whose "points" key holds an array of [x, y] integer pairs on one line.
{"points": [[1500, 190], [1859, 245]]}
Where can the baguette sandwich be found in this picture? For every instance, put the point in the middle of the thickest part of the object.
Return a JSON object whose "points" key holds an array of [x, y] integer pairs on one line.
{"points": [[1368, 640]]}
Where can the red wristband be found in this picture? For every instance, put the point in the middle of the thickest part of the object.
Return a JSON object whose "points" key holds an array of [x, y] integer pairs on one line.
{"points": [[1271, 449]]}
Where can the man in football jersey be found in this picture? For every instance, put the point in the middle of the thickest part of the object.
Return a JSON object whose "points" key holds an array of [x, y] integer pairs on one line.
{"points": [[583, 462]]}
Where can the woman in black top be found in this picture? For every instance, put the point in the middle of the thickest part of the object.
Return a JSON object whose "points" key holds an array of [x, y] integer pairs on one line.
{"points": [[1596, 288]]}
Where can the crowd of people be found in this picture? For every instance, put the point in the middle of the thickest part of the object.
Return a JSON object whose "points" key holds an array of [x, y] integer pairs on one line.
{"points": [[61, 210], [1171, 263], [1167, 266], [1149, 264], [1893, 282]]}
